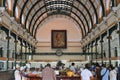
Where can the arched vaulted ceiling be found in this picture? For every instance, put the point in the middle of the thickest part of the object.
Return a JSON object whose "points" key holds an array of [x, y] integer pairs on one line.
{"points": [[84, 12]]}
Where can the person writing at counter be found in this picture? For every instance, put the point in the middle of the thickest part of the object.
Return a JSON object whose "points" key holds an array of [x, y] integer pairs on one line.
{"points": [[72, 67], [17, 73], [48, 73]]}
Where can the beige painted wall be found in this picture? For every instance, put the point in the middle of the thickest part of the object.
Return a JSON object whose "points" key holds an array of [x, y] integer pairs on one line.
{"points": [[54, 57], [73, 38], [44, 31]]}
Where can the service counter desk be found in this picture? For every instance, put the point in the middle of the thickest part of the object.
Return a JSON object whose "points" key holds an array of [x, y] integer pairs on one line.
{"points": [[58, 78], [7, 75], [68, 78]]}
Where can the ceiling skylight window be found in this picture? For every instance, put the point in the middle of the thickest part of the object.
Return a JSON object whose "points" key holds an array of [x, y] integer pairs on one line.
{"points": [[107, 4], [100, 12], [23, 19], [9, 4], [27, 25], [59, 5], [90, 25], [94, 19]]}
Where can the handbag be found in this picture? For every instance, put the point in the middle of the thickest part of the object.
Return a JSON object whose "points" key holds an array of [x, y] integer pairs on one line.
{"points": [[104, 73]]}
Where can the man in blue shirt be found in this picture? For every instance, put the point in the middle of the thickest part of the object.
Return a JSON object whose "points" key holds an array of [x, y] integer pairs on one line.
{"points": [[104, 72], [119, 72]]}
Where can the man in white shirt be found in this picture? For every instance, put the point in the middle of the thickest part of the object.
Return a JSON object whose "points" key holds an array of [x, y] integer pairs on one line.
{"points": [[72, 68], [17, 73], [86, 74], [28, 65]]}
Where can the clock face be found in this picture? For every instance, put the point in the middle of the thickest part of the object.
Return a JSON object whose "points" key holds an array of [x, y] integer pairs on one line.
{"points": [[59, 52]]}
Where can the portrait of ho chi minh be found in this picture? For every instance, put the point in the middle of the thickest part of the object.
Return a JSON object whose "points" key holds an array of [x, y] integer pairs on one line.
{"points": [[59, 40]]}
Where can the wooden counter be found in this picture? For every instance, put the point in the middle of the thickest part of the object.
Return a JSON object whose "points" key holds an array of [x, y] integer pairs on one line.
{"points": [[68, 78], [58, 78]]}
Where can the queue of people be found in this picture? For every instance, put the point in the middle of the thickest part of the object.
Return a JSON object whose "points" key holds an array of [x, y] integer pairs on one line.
{"points": [[97, 72], [86, 72]]}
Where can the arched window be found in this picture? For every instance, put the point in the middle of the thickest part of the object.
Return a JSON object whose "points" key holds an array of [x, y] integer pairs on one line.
{"points": [[9, 6], [23, 19], [107, 4], [17, 12], [27, 25], [94, 19], [86, 27], [90, 25], [100, 13]]}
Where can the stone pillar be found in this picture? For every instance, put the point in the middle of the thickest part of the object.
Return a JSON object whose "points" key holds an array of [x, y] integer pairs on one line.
{"points": [[91, 52], [21, 52], [88, 48], [16, 41], [96, 53], [85, 52], [8, 51], [88, 57], [109, 45], [26, 51], [29, 52], [101, 41], [118, 32], [33, 52], [1, 51]]}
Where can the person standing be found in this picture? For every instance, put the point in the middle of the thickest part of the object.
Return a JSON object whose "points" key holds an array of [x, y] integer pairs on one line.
{"points": [[113, 73], [48, 73], [98, 70], [17, 73], [72, 67], [86, 74], [104, 72], [118, 72]]}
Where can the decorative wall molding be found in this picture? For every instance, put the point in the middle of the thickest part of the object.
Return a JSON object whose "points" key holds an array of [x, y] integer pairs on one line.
{"points": [[108, 22], [53, 53], [10, 23]]}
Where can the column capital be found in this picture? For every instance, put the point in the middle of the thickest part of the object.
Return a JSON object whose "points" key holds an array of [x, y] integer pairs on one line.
{"points": [[87, 47], [91, 45], [96, 44], [25, 46], [109, 37], [16, 41], [8, 37], [29, 48], [118, 31], [101, 41]]}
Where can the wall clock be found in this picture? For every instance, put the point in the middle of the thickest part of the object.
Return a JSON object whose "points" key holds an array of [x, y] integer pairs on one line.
{"points": [[59, 52]]}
